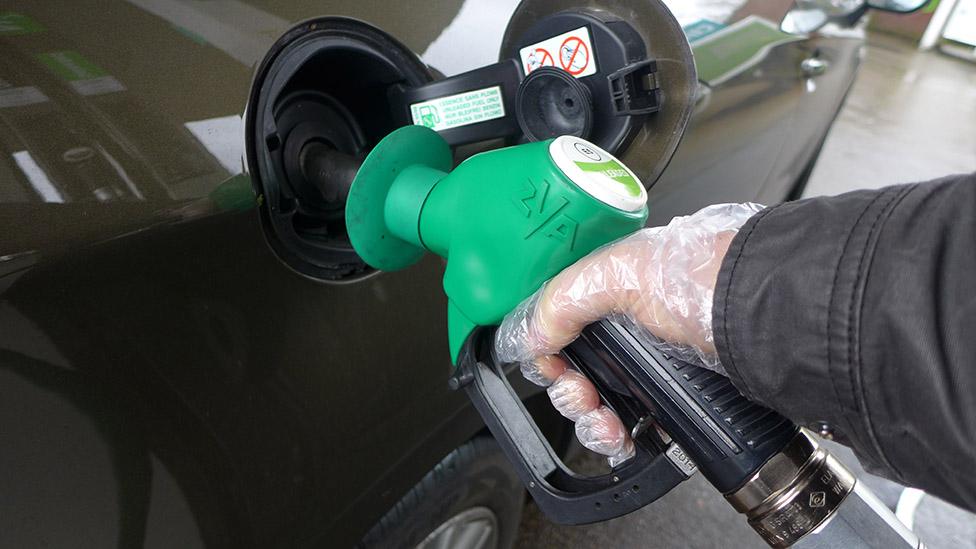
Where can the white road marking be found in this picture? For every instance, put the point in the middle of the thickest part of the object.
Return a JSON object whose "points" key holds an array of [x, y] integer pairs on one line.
{"points": [[907, 504], [38, 179]]}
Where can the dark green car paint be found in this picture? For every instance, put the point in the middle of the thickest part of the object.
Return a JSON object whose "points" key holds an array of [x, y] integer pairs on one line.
{"points": [[165, 379]]}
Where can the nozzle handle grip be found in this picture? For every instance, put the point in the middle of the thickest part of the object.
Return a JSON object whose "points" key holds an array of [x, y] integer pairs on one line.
{"points": [[725, 434], [563, 495]]}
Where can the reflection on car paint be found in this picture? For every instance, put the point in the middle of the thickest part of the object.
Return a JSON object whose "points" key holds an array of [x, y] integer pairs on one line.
{"points": [[223, 138], [150, 283], [732, 50], [37, 178], [480, 22], [689, 11], [241, 31]]}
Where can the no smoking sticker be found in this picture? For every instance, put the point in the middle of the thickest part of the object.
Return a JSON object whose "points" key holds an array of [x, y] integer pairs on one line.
{"points": [[538, 58], [574, 56], [571, 51]]}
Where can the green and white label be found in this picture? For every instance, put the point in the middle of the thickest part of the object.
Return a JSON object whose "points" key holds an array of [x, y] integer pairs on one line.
{"points": [[70, 65], [84, 76], [15, 24], [614, 170], [700, 29], [598, 173], [461, 109]]}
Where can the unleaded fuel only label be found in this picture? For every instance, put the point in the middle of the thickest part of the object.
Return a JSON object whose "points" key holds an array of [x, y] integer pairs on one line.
{"points": [[461, 109]]}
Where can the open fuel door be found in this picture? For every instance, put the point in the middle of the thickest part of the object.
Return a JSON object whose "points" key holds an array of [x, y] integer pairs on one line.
{"points": [[619, 74]]}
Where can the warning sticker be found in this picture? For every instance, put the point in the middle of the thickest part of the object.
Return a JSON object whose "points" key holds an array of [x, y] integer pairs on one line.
{"points": [[538, 58], [571, 51], [452, 111]]}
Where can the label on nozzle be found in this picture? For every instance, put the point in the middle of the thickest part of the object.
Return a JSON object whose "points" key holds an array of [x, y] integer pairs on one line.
{"points": [[598, 173]]}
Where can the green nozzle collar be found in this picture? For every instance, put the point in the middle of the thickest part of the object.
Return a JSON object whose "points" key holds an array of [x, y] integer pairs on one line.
{"points": [[405, 165], [505, 220]]}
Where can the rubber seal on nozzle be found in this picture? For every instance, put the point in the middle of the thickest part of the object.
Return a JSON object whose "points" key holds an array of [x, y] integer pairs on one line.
{"points": [[366, 206], [551, 102]]}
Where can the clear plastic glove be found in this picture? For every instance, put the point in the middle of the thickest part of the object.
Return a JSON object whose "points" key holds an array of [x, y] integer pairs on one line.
{"points": [[661, 279]]}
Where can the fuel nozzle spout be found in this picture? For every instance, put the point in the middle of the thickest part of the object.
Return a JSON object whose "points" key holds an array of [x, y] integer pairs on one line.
{"points": [[506, 220], [328, 171]]}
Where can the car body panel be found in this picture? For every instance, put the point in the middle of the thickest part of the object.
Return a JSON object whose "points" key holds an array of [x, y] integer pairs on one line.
{"points": [[167, 377]]}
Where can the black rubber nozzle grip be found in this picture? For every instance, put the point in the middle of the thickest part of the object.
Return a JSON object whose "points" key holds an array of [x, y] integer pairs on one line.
{"points": [[728, 436]]}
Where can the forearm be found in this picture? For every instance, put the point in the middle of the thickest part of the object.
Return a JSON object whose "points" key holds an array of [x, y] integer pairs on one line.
{"points": [[859, 311]]}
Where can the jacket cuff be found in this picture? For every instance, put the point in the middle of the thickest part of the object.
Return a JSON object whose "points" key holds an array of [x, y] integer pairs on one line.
{"points": [[784, 310]]}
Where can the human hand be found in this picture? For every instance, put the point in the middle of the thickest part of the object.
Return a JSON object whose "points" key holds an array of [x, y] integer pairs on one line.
{"points": [[661, 279]]}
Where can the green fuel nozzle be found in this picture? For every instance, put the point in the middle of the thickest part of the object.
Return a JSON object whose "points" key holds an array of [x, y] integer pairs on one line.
{"points": [[505, 220]]}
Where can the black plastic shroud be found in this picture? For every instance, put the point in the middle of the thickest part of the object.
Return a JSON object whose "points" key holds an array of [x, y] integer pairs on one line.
{"points": [[727, 436], [618, 97]]}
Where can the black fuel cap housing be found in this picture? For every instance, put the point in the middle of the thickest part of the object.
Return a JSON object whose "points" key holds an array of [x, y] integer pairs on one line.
{"points": [[603, 54], [306, 133], [651, 53], [551, 102], [588, 72]]}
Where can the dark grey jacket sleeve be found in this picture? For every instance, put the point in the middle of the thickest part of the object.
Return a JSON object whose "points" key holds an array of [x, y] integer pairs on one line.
{"points": [[859, 311]]}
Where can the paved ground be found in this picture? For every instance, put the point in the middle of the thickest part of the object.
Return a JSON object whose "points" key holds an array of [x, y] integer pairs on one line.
{"points": [[884, 135], [694, 515], [910, 117]]}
